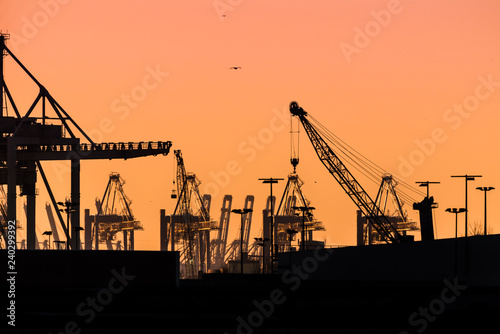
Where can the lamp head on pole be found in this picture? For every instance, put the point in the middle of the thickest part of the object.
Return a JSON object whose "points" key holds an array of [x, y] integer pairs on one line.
{"points": [[485, 188], [270, 180], [455, 210], [468, 177]]}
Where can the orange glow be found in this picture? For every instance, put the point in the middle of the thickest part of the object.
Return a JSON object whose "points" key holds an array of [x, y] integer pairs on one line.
{"points": [[413, 85]]}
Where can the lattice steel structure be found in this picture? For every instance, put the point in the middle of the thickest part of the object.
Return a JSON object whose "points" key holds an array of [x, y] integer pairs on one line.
{"points": [[27, 140], [188, 228], [114, 215]]}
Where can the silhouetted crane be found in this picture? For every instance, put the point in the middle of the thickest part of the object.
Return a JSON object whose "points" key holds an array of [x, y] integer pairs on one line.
{"points": [[340, 172]]}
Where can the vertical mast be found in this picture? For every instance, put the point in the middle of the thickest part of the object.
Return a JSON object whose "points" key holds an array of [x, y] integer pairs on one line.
{"points": [[2, 47]]}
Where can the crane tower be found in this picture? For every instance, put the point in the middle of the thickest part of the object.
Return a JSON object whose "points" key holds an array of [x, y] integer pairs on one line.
{"points": [[234, 251], [114, 215], [286, 219], [46, 132], [188, 228], [392, 206], [388, 233]]}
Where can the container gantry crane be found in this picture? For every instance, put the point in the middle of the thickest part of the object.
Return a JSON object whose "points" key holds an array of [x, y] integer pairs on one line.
{"points": [[247, 221], [342, 175], [386, 198], [233, 251], [193, 229], [114, 215], [28, 140], [218, 245], [286, 219]]}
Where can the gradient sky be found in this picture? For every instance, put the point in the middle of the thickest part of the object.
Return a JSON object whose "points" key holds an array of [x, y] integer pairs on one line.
{"points": [[413, 85]]}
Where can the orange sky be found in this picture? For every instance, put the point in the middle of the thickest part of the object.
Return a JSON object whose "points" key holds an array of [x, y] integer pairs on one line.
{"points": [[382, 75]]}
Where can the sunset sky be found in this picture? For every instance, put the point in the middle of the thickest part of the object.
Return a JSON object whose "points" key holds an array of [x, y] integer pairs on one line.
{"points": [[412, 85]]}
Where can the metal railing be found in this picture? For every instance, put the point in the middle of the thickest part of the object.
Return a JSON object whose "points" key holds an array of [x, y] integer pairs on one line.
{"points": [[111, 146]]}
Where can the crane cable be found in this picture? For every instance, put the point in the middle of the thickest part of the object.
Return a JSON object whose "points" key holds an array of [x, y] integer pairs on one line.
{"points": [[294, 145], [346, 150], [362, 164]]}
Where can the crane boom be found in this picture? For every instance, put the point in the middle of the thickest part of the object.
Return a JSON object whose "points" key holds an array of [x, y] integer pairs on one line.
{"points": [[340, 172]]}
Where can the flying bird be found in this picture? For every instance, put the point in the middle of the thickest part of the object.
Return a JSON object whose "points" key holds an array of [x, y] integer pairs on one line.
{"points": [[235, 68]]}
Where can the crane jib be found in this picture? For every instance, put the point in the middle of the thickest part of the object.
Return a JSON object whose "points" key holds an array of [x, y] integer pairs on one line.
{"points": [[347, 181]]}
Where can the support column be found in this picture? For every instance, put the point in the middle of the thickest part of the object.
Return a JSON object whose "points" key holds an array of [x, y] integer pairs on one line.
{"points": [[95, 226], [30, 192], [369, 231], [208, 253], [11, 182], [201, 251], [163, 231], [266, 234], [360, 223], [197, 259], [88, 230], [125, 240], [75, 200], [2, 45], [172, 231]]}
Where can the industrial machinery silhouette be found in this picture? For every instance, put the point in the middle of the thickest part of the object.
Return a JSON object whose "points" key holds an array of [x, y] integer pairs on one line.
{"points": [[392, 206], [233, 250], [218, 245], [386, 230], [52, 223], [114, 215], [260, 248], [287, 219], [3, 218], [27, 140], [188, 228]]}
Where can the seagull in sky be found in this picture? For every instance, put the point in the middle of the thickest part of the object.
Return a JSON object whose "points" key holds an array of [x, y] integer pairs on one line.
{"points": [[235, 68]]}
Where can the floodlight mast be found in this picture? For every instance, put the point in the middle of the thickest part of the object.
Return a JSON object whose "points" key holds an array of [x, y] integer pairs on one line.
{"points": [[342, 175]]}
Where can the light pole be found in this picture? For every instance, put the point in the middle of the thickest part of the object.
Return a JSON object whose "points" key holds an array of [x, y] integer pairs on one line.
{"points": [[456, 211], [467, 178], [262, 242], [271, 181], [485, 189], [304, 209], [241, 212], [68, 208]]}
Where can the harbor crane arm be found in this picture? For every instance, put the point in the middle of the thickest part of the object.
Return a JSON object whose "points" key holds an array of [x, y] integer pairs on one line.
{"points": [[181, 177], [340, 172]]}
